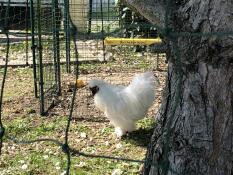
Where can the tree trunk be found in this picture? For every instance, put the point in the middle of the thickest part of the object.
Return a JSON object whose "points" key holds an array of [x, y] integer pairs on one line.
{"points": [[194, 134]]}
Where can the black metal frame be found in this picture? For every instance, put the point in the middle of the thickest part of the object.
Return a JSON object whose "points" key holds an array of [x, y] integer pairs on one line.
{"points": [[46, 92]]}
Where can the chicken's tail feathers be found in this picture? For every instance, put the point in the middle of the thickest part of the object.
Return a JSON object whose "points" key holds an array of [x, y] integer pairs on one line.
{"points": [[142, 89], [145, 80]]}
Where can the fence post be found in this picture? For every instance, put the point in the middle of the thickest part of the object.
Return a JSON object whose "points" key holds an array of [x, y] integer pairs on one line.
{"points": [[39, 47], [33, 47], [90, 16], [102, 26], [27, 27], [67, 34], [56, 23]]}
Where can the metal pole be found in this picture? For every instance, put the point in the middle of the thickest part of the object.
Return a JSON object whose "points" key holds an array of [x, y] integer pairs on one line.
{"points": [[54, 40], [57, 39], [26, 21], [5, 30], [33, 47], [102, 30], [41, 82], [108, 9], [67, 34], [90, 16]]}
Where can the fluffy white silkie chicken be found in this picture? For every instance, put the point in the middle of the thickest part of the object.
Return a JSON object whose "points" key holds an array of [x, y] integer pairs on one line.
{"points": [[123, 106]]}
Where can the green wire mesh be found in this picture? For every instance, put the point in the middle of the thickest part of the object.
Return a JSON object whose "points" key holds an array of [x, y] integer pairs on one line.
{"points": [[15, 19], [48, 35]]}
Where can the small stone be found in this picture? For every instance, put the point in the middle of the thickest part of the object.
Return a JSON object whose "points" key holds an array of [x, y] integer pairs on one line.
{"points": [[83, 135], [45, 156], [140, 54], [117, 172], [107, 143], [24, 166], [108, 69]]}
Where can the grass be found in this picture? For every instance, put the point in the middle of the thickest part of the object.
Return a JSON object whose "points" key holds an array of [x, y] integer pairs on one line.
{"points": [[21, 121], [92, 136], [123, 62], [15, 81], [46, 158], [17, 50]]}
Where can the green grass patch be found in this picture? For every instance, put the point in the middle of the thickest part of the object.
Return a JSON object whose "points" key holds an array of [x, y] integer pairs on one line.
{"points": [[22, 122]]}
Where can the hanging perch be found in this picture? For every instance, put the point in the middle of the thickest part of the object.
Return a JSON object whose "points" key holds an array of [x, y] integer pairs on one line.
{"points": [[131, 41]]}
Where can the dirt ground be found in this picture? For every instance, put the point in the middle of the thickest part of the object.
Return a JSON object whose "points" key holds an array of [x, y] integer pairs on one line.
{"points": [[90, 131]]}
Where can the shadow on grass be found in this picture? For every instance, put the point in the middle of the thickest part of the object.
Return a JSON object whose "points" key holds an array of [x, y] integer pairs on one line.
{"points": [[140, 137], [91, 119]]}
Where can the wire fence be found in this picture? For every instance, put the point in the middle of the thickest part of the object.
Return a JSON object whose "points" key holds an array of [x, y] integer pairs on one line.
{"points": [[171, 37], [47, 44]]}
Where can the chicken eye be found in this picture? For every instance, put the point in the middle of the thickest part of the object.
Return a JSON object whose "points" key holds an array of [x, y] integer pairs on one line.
{"points": [[94, 89]]}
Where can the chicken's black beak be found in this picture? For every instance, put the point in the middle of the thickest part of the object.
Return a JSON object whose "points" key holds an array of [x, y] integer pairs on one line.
{"points": [[94, 90]]}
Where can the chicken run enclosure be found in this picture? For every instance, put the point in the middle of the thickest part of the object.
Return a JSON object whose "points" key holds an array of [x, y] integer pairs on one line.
{"points": [[105, 38], [66, 41]]}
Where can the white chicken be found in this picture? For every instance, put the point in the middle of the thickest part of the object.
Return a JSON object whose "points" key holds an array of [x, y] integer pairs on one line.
{"points": [[123, 106]]}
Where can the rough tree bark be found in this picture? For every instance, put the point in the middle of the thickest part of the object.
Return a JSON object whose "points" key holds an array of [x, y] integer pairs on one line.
{"points": [[201, 134]]}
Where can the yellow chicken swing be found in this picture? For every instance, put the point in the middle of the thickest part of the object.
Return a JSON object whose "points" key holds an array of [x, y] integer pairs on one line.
{"points": [[131, 41]]}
